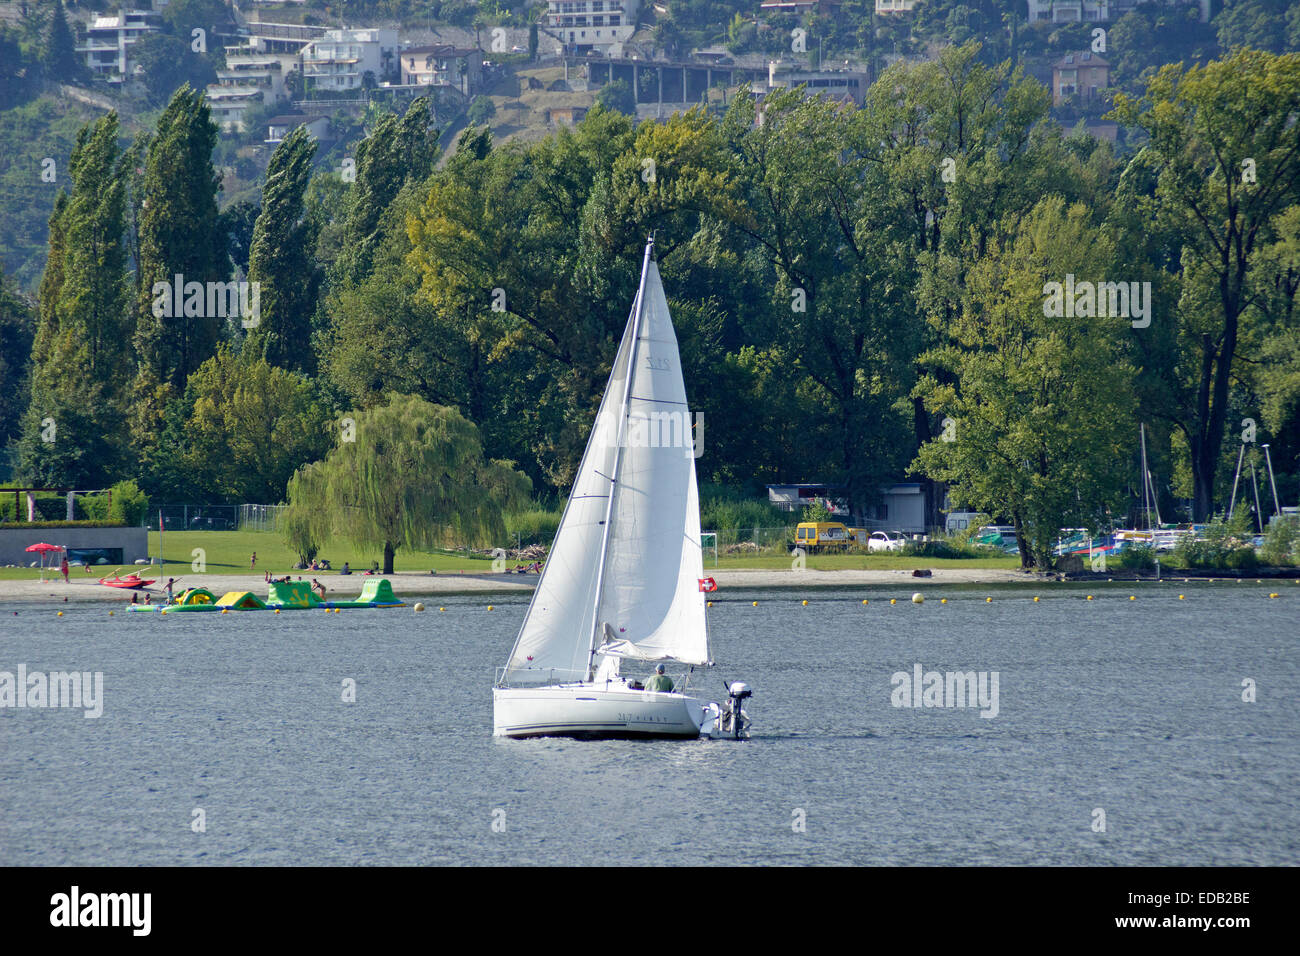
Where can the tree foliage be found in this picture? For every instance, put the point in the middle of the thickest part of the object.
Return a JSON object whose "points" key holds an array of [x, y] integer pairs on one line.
{"points": [[410, 475]]}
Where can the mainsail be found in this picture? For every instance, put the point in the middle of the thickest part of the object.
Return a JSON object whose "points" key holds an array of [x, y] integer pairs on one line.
{"points": [[630, 588]]}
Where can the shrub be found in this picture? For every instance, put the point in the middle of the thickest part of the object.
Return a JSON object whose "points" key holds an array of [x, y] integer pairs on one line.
{"points": [[1141, 557], [1280, 543], [130, 504], [1242, 559], [536, 525], [1220, 538]]}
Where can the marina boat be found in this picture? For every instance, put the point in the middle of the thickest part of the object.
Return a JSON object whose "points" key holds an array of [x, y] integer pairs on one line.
{"points": [[624, 582]]}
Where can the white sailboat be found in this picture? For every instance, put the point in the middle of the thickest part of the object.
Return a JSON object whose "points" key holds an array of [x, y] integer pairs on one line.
{"points": [[624, 579]]}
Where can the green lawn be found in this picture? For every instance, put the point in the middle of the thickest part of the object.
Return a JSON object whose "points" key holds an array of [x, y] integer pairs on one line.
{"points": [[227, 552]]}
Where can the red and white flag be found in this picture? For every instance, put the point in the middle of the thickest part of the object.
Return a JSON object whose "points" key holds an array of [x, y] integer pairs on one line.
{"points": [[708, 584]]}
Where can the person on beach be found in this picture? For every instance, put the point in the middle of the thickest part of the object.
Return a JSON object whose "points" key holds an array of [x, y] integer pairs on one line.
{"points": [[63, 569], [252, 562], [347, 568]]}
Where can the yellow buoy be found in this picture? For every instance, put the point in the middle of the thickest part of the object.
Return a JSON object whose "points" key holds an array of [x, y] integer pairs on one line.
{"points": [[441, 609], [111, 613], [805, 603], [943, 600], [1273, 595], [1132, 597], [277, 611], [419, 606], [60, 614], [865, 601], [893, 600], [755, 604], [710, 603], [489, 607], [1180, 597], [225, 610], [988, 600], [918, 598], [1089, 597], [1035, 598]]}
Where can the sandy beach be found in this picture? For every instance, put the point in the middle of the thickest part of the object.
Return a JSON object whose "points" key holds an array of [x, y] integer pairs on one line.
{"points": [[414, 584]]}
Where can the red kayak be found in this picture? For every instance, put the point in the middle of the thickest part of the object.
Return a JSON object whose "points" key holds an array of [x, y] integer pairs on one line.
{"points": [[132, 581]]}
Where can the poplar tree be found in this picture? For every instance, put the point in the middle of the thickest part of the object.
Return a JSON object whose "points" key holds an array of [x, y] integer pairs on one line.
{"points": [[281, 259], [74, 431], [178, 236]]}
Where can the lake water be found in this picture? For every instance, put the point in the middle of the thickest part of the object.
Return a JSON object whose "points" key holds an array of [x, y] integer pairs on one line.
{"points": [[1133, 708]]}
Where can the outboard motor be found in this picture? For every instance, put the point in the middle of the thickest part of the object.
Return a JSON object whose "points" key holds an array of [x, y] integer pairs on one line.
{"points": [[734, 722]]}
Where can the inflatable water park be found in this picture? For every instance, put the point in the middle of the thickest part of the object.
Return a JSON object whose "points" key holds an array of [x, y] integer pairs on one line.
{"points": [[282, 596]]}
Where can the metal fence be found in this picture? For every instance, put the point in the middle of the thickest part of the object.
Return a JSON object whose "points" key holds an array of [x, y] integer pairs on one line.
{"points": [[191, 517], [260, 517]]}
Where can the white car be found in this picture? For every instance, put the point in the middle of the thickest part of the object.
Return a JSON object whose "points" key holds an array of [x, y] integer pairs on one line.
{"points": [[885, 541]]}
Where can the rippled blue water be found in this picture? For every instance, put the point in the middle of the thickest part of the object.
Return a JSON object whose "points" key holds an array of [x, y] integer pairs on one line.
{"points": [[1132, 707]]}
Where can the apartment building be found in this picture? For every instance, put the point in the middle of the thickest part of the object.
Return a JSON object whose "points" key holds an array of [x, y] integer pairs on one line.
{"points": [[257, 70], [592, 26], [341, 59], [1082, 75], [443, 65], [108, 42]]}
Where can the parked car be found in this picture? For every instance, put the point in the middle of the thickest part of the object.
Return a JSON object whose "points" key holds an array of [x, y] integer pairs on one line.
{"points": [[886, 541]]}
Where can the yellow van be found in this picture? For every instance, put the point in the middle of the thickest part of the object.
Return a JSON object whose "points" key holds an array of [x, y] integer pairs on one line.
{"points": [[821, 535]]}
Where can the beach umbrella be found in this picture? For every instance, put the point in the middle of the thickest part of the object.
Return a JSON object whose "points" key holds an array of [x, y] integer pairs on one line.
{"points": [[43, 549]]}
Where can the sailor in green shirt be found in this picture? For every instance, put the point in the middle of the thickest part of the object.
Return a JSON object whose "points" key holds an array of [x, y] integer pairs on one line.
{"points": [[661, 682]]}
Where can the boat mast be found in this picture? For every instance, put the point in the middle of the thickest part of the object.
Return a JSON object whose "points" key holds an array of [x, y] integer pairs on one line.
{"points": [[1146, 508], [618, 453], [1232, 504], [1268, 459]]}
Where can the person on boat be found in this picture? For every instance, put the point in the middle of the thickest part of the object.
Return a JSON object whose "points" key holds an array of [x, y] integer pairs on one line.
{"points": [[317, 586], [135, 598], [660, 682], [63, 569], [148, 599], [170, 582]]}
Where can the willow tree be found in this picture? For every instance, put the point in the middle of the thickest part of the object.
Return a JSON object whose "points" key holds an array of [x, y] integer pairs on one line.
{"points": [[409, 474]]}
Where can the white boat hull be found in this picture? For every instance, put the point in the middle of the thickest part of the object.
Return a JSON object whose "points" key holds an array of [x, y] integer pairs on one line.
{"points": [[595, 710]]}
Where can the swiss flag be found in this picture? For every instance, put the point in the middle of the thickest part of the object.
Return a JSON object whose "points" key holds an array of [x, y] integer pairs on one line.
{"points": [[708, 584]]}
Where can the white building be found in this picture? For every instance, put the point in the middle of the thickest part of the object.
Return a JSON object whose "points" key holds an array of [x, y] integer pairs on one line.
{"points": [[341, 59], [109, 40], [894, 6], [584, 26], [901, 506], [256, 70], [1100, 11], [1068, 11], [837, 84]]}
